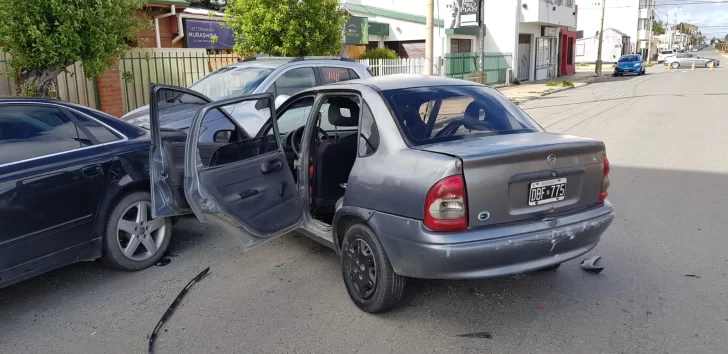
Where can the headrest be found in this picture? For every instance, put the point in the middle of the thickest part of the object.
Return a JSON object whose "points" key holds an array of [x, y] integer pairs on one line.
{"points": [[473, 110], [343, 112]]}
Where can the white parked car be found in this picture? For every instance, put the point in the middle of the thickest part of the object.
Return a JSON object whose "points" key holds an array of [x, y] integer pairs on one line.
{"points": [[665, 54]]}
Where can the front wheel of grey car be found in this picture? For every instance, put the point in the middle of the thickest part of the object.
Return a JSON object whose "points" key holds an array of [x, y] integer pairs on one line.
{"points": [[133, 240], [370, 280]]}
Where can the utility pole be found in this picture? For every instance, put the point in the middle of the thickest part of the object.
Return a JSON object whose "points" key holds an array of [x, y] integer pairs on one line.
{"points": [[598, 69], [428, 36], [649, 39]]}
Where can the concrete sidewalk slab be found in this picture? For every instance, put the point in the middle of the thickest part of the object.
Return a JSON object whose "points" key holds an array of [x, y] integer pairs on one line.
{"points": [[535, 89]]}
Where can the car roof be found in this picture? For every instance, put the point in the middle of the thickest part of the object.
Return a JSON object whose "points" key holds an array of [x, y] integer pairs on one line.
{"points": [[401, 81], [276, 62]]}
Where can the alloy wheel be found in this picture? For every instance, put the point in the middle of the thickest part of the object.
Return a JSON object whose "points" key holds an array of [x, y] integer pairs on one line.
{"points": [[138, 234], [361, 267]]}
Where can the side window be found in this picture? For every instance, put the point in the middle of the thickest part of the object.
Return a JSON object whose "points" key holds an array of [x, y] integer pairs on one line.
{"points": [[331, 74], [230, 145], [353, 74], [368, 133], [101, 133], [294, 116], [294, 81], [33, 131]]}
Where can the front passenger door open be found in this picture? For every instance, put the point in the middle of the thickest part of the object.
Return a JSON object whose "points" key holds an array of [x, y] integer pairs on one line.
{"points": [[245, 186]]}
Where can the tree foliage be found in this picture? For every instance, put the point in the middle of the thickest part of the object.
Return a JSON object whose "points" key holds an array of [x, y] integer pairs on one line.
{"points": [[658, 28], [43, 37], [286, 27], [379, 53]]}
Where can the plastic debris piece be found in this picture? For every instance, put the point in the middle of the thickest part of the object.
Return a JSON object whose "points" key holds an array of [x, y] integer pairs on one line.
{"points": [[540, 307], [173, 306], [693, 276], [485, 335], [163, 262], [590, 265]]}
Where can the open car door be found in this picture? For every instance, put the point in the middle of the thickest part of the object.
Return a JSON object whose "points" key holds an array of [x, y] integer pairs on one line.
{"points": [[170, 104], [245, 186]]}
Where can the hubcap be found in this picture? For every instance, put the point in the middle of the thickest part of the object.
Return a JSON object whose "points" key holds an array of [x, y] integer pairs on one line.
{"points": [[139, 236], [361, 268]]}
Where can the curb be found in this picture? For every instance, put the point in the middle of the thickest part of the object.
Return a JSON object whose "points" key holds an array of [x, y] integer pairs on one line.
{"points": [[594, 79]]}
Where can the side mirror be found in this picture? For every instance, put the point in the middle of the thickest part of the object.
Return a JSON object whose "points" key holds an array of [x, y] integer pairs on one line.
{"points": [[222, 136], [281, 99]]}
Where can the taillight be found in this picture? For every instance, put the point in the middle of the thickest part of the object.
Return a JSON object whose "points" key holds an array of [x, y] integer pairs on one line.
{"points": [[605, 179], [446, 206]]}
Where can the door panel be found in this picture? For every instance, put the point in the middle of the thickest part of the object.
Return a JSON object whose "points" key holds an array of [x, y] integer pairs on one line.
{"points": [[247, 187], [166, 154]]}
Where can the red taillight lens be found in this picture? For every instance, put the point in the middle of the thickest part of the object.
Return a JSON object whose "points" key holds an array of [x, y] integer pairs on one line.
{"points": [[446, 207], [605, 180]]}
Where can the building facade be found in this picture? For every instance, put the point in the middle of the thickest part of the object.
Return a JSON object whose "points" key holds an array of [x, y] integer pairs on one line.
{"points": [[629, 22]]}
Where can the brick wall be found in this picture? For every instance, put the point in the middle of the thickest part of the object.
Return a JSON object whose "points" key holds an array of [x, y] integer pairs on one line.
{"points": [[109, 83]]}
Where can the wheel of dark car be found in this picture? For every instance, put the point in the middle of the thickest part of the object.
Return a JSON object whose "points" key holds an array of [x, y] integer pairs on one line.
{"points": [[675, 65], [132, 239], [370, 280]]}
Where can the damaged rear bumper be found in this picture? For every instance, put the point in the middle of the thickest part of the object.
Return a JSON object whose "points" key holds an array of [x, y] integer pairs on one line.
{"points": [[490, 252]]}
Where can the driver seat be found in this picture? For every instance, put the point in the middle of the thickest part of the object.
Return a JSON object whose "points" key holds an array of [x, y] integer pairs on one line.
{"points": [[335, 157]]}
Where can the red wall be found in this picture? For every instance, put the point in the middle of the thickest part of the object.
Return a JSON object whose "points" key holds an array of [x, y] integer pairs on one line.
{"points": [[567, 64]]}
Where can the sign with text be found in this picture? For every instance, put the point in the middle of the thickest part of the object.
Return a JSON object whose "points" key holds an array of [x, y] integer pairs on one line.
{"points": [[469, 13], [208, 34], [356, 30]]}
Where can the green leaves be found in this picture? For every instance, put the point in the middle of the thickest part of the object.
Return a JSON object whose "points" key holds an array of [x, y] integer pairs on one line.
{"points": [[50, 34], [286, 27]]}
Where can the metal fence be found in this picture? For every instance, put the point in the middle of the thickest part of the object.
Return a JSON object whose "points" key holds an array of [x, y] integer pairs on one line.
{"points": [[73, 86], [467, 66], [382, 67], [181, 67]]}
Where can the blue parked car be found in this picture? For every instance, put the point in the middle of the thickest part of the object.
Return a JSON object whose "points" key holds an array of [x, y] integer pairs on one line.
{"points": [[630, 64]]}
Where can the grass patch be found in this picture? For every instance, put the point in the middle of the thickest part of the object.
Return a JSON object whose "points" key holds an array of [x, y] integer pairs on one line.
{"points": [[553, 83], [560, 84], [516, 82], [583, 64], [650, 64], [567, 83]]}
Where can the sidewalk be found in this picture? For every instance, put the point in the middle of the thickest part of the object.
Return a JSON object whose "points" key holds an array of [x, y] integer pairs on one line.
{"points": [[535, 89]]}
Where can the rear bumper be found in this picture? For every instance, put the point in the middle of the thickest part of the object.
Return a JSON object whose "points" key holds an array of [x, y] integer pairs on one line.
{"points": [[489, 252]]}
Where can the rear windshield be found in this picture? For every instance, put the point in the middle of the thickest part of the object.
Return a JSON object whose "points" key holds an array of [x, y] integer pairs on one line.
{"points": [[231, 81], [629, 58], [434, 114]]}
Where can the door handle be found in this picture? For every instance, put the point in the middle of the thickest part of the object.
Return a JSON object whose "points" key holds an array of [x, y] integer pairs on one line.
{"points": [[271, 166], [92, 171], [249, 193]]}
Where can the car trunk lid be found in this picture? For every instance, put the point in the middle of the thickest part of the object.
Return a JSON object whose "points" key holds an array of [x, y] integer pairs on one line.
{"points": [[500, 171]]}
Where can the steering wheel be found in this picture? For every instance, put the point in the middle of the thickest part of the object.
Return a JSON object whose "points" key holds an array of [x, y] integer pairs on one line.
{"points": [[295, 137]]}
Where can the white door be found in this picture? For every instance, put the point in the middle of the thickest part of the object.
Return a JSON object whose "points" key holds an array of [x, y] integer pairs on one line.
{"points": [[524, 57]]}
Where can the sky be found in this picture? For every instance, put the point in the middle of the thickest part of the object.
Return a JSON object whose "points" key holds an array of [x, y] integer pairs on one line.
{"points": [[711, 17]]}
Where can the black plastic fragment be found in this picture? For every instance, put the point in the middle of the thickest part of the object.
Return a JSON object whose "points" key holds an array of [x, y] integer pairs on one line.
{"points": [[173, 306], [590, 265], [485, 335]]}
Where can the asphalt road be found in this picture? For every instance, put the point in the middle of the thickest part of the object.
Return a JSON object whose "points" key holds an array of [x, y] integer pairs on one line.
{"points": [[666, 135]]}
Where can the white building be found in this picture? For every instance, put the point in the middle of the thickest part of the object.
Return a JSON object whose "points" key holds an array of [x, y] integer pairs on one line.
{"points": [[628, 19]]}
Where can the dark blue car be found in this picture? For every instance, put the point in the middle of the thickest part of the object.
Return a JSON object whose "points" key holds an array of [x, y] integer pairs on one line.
{"points": [[630, 64], [74, 186]]}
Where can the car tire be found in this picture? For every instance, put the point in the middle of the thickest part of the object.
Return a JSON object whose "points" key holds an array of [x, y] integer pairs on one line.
{"points": [[362, 256], [152, 233], [708, 64], [675, 65]]}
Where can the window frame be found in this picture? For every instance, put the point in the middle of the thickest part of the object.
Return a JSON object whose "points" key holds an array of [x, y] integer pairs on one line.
{"points": [[64, 110], [274, 83], [374, 127]]}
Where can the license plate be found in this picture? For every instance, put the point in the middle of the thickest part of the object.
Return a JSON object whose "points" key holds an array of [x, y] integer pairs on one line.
{"points": [[545, 192]]}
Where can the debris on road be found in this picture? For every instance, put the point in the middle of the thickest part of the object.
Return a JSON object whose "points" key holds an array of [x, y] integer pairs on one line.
{"points": [[589, 265], [173, 306], [693, 276], [485, 335], [163, 262]]}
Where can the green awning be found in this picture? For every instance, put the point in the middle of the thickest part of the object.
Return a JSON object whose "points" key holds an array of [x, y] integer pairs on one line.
{"points": [[467, 31], [378, 11], [378, 29]]}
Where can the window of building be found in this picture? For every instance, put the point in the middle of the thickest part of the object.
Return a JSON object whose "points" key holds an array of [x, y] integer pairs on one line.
{"points": [[570, 52], [458, 45]]}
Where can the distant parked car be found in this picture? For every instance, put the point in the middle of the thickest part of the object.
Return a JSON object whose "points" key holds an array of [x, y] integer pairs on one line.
{"points": [[630, 64], [280, 76], [665, 54], [688, 59], [74, 186], [402, 175]]}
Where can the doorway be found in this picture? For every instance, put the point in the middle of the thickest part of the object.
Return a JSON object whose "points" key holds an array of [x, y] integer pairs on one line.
{"points": [[524, 57]]}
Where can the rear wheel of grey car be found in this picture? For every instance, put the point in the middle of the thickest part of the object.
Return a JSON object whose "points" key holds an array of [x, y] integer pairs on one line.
{"points": [[675, 65], [708, 64], [132, 239], [370, 280]]}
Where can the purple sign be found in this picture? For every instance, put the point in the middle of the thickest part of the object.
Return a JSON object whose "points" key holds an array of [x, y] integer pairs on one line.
{"points": [[208, 34]]}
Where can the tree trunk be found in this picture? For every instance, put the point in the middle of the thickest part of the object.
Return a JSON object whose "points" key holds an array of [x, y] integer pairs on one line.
{"points": [[37, 82]]}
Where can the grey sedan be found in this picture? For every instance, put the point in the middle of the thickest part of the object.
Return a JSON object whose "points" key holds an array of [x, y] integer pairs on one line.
{"points": [[688, 59], [404, 176]]}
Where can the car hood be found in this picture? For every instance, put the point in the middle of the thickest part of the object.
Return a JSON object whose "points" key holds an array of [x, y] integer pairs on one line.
{"points": [[175, 116]]}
